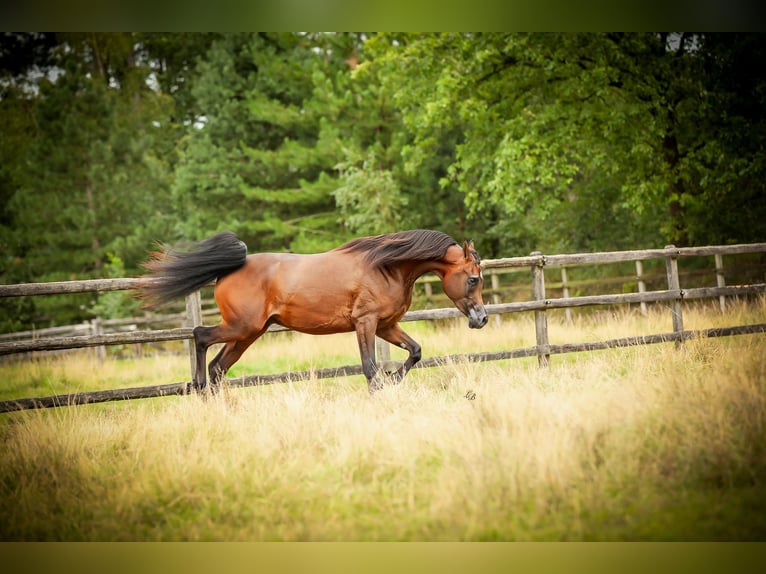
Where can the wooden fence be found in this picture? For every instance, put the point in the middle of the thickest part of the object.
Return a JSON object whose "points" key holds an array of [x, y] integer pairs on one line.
{"points": [[673, 297]]}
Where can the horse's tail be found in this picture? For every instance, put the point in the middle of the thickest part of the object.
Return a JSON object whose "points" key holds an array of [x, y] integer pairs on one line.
{"points": [[180, 270]]}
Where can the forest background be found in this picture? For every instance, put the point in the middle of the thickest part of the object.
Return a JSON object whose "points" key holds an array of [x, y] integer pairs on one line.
{"points": [[300, 141]]}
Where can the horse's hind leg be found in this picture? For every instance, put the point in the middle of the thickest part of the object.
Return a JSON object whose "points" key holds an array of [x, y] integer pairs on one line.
{"points": [[229, 355], [212, 368], [204, 337]]}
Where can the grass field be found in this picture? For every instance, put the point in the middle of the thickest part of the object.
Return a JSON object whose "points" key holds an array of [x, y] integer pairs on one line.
{"points": [[641, 443]]}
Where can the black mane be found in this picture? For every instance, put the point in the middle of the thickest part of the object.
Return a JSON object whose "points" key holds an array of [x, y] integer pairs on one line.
{"points": [[383, 251]]}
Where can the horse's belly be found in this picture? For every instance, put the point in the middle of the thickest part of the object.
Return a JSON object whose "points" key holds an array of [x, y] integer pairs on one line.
{"points": [[316, 315], [315, 325]]}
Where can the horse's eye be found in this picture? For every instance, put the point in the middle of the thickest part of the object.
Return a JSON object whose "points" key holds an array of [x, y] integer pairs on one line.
{"points": [[473, 280]]}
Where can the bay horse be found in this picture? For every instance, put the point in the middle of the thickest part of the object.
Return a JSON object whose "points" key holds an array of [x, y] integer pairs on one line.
{"points": [[364, 286]]}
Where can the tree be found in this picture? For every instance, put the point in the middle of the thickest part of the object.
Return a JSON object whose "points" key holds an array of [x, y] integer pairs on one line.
{"points": [[726, 166], [80, 187], [299, 151], [610, 128], [262, 159], [389, 181]]}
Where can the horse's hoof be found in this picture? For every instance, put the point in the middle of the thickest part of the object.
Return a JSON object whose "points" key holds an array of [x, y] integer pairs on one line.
{"points": [[372, 389]]}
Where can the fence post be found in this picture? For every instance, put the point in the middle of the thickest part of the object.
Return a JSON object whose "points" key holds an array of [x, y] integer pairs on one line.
{"points": [[193, 318], [541, 318], [674, 284], [98, 329], [565, 293], [383, 355], [720, 280], [641, 284]]}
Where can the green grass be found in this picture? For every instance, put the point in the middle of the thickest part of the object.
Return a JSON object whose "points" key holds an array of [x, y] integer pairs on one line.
{"points": [[643, 443]]}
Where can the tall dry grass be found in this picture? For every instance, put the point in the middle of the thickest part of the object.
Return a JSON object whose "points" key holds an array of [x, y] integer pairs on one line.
{"points": [[644, 443]]}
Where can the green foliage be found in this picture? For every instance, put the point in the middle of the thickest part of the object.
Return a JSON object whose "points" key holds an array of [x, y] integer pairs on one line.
{"points": [[369, 199], [617, 123], [115, 304], [261, 162], [298, 141]]}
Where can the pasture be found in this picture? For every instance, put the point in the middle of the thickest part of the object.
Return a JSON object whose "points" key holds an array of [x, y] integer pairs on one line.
{"points": [[658, 442]]}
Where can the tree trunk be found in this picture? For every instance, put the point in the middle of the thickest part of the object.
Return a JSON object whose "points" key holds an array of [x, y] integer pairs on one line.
{"points": [[95, 243]]}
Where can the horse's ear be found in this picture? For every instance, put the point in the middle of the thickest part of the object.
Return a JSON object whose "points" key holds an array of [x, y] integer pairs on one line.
{"points": [[467, 248]]}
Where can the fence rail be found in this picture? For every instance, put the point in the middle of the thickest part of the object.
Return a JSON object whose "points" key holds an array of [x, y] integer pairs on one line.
{"points": [[540, 304], [621, 256]]}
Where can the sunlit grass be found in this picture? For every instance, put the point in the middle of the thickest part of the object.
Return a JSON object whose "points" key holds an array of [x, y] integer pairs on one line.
{"points": [[640, 443]]}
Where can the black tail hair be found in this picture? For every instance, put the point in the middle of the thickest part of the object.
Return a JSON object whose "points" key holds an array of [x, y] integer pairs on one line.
{"points": [[182, 269]]}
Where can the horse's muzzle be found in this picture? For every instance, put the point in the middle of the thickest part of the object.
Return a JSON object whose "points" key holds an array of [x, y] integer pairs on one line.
{"points": [[477, 317]]}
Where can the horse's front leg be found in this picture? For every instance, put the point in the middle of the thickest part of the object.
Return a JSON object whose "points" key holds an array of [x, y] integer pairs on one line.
{"points": [[396, 336], [365, 336]]}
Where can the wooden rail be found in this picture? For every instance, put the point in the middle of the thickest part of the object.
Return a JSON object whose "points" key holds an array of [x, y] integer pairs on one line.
{"points": [[185, 333], [621, 256], [64, 287], [674, 296], [173, 389]]}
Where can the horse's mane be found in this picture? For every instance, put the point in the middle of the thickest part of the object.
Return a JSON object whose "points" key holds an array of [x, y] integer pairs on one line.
{"points": [[383, 251]]}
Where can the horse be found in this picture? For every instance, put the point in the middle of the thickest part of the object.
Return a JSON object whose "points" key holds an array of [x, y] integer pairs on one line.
{"points": [[364, 286]]}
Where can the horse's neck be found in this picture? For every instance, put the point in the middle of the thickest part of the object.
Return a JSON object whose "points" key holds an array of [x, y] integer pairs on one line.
{"points": [[412, 271]]}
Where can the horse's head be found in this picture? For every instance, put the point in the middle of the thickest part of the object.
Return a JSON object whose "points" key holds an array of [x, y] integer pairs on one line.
{"points": [[463, 281]]}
